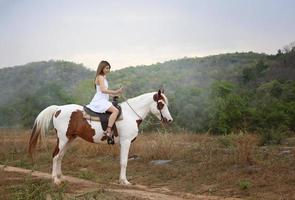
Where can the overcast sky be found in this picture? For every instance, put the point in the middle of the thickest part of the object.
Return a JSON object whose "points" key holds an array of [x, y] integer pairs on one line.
{"points": [[129, 33]]}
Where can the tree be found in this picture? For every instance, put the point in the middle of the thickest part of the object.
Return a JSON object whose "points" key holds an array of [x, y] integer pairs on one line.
{"points": [[226, 109]]}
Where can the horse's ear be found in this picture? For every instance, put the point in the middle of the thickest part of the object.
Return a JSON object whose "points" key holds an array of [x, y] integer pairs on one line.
{"points": [[162, 90], [157, 96], [159, 93]]}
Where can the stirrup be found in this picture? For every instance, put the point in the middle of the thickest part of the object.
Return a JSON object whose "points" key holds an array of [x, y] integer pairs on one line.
{"points": [[108, 136], [111, 140]]}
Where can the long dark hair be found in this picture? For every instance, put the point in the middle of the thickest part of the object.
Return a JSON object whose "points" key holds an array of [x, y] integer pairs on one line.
{"points": [[100, 68]]}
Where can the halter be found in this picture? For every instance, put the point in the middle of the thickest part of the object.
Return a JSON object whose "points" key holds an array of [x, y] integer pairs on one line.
{"points": [[157, 98], [160, 106]]}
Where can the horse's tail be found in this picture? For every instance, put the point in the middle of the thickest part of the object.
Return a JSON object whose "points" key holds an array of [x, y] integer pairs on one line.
{"points": [[41, 126]]}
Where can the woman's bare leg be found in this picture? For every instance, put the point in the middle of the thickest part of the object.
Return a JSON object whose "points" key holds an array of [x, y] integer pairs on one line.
{"points": [[112, 118]]}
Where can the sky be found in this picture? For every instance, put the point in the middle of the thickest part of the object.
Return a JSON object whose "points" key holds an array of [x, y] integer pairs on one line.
{"points": [[140, 32]]}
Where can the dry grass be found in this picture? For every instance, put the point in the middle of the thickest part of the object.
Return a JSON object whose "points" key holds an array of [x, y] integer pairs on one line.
{"points": [[232, 165], [155, 147]]}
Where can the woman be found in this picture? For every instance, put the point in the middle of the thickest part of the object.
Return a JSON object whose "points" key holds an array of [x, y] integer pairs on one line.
{"points": [[100, 102]]}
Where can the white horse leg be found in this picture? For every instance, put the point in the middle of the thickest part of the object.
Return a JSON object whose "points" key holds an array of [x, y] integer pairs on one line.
{"points": [[56, 172], [123, 161], [59, 161]]}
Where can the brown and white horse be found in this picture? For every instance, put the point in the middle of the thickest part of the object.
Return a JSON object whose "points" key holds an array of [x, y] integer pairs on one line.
{"points": [[69, 123]]}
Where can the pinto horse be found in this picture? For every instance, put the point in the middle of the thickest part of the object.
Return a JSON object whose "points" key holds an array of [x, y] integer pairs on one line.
{"points": [[69, 123]]}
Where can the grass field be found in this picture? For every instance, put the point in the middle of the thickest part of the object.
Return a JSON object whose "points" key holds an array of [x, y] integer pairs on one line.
{"points": [[226, 166]]}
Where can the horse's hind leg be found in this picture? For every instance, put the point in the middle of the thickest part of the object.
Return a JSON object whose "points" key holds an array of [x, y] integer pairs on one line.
{"points": [[57, 158], [59, 161]]}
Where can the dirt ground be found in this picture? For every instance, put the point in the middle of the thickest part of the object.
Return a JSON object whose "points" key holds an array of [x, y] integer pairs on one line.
{"points": [[12, 177], [202, 167]]}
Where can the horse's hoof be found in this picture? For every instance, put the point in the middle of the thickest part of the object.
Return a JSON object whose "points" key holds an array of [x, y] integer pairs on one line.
{"points": [[124, 182], [57, 181], [63, 178]]}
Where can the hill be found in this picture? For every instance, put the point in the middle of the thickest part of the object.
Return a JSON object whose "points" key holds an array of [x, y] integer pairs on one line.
{"points": [[205, 94], [21, 81]]}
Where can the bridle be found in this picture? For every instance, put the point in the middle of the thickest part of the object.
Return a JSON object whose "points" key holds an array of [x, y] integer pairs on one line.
{"points": [[160, 106]]}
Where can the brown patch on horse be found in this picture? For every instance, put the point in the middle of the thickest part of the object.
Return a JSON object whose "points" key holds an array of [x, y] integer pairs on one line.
{"points": [[57, 113], [160, 105], [56, 150], [78, 126], [157, 97]]}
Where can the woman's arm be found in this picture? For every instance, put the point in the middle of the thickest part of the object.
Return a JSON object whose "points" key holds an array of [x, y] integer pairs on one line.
{"points": [[103, 88]]}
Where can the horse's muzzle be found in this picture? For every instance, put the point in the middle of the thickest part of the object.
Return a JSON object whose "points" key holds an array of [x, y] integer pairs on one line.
{"points": [[166, 121]]}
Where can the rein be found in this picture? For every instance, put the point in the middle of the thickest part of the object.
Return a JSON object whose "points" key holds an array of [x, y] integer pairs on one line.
{"points": [[131, 107], [162, 117], [134, 110]]}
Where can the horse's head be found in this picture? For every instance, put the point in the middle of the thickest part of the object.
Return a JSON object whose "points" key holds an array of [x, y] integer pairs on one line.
{"points": [[160, 107]]}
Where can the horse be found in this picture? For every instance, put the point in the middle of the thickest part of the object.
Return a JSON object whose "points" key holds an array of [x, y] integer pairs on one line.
{"points": [[69, 123]]}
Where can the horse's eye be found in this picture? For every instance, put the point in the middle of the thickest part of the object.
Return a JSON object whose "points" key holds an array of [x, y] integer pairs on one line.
{"points": [[160, 106]]}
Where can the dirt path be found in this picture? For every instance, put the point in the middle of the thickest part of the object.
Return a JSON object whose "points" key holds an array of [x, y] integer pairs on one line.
{"points": [[139, 191]]}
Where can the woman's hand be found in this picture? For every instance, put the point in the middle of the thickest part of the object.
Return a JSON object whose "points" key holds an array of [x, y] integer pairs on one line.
{"points": [[119, 91]]}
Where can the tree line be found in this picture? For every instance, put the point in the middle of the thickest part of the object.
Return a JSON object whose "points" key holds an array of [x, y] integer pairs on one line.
{"points": [[228, 93]]}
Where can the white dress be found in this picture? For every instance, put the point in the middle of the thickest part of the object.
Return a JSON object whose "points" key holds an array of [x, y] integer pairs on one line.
{"points": [[100, 102]]}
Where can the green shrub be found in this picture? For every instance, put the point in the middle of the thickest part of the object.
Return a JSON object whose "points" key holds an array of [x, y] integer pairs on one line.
{"points": [[244, 184], [272, 136]]}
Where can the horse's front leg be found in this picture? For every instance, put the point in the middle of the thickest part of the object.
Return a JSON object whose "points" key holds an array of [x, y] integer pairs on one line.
{"points": [[125, 145]]}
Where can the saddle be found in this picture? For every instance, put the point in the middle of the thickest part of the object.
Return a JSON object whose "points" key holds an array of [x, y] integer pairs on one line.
{"points": [[103, 117]]}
